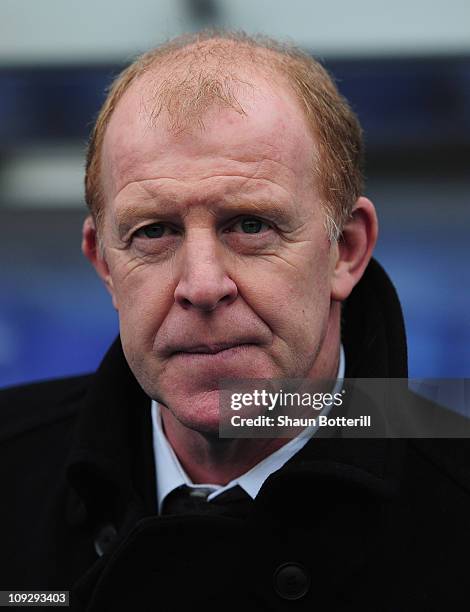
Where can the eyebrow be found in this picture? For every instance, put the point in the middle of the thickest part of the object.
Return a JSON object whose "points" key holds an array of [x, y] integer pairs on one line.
{"points": [[130, 215]]}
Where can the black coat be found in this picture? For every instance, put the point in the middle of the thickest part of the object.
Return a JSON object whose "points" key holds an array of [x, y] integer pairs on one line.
{"points": [[347, 524]]}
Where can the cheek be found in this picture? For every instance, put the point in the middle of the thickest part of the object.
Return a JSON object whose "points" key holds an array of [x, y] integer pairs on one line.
{"points": [[144, 300], [292, 300]]}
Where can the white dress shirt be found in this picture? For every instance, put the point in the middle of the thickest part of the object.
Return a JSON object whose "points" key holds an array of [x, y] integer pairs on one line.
{"points": [[170, 473]]}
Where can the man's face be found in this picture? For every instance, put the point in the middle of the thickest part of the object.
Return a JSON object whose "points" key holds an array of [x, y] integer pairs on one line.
{"points": [[217, 256]]}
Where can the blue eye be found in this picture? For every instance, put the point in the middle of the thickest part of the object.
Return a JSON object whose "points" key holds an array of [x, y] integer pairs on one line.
{"points": [[251, 225], [156, 230]]}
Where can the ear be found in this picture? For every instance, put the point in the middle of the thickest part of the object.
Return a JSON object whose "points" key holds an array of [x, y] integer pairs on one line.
{"points": [[95, 255], [354, 249]]}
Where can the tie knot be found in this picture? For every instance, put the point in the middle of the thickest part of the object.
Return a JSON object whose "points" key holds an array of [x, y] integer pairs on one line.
{"points": [[185, 500]]}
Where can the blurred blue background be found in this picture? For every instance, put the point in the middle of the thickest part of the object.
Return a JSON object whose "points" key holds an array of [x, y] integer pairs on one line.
{"points": [[406, 71]]}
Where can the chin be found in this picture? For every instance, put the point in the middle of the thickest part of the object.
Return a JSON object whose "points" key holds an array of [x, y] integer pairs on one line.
{"points": [[199, 412]]}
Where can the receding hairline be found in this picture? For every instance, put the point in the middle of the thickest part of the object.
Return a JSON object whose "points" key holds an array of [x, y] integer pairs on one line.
{"points": [[151, 91], [170, 74]]}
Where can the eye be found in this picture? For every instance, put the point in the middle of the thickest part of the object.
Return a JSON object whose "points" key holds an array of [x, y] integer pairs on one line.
{"points": [[251, 225], [154, 230]]}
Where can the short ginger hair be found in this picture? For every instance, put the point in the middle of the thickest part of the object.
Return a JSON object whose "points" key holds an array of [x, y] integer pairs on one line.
{"points": [[201, 70]]}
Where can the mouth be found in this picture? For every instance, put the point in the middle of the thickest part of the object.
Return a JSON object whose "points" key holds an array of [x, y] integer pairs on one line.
{"points": [[213, 349]]}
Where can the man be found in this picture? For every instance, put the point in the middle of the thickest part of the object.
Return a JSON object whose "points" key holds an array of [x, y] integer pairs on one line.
{"points": [[227, 222]]}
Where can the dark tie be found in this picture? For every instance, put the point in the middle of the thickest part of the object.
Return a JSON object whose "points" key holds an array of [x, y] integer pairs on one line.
{"points": [[184, 500]]}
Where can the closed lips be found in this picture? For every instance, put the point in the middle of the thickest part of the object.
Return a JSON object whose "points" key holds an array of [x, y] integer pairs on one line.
{"points": [[211, 350]]}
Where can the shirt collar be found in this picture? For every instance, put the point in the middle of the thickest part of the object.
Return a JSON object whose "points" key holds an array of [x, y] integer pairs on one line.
{"points": [[170, 473]]}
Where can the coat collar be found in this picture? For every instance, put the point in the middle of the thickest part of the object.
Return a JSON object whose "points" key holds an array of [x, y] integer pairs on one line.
{"points": [[373, 330], [111, 461]]}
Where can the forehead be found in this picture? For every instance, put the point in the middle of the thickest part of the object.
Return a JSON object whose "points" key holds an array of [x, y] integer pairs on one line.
{"points": [[270, 135]]}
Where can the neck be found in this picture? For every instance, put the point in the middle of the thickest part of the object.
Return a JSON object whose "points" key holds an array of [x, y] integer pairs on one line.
{"points": [[213, 460]]}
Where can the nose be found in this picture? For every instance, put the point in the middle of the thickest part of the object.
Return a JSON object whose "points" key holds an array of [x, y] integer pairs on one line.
{"points": [[204, 283]]}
